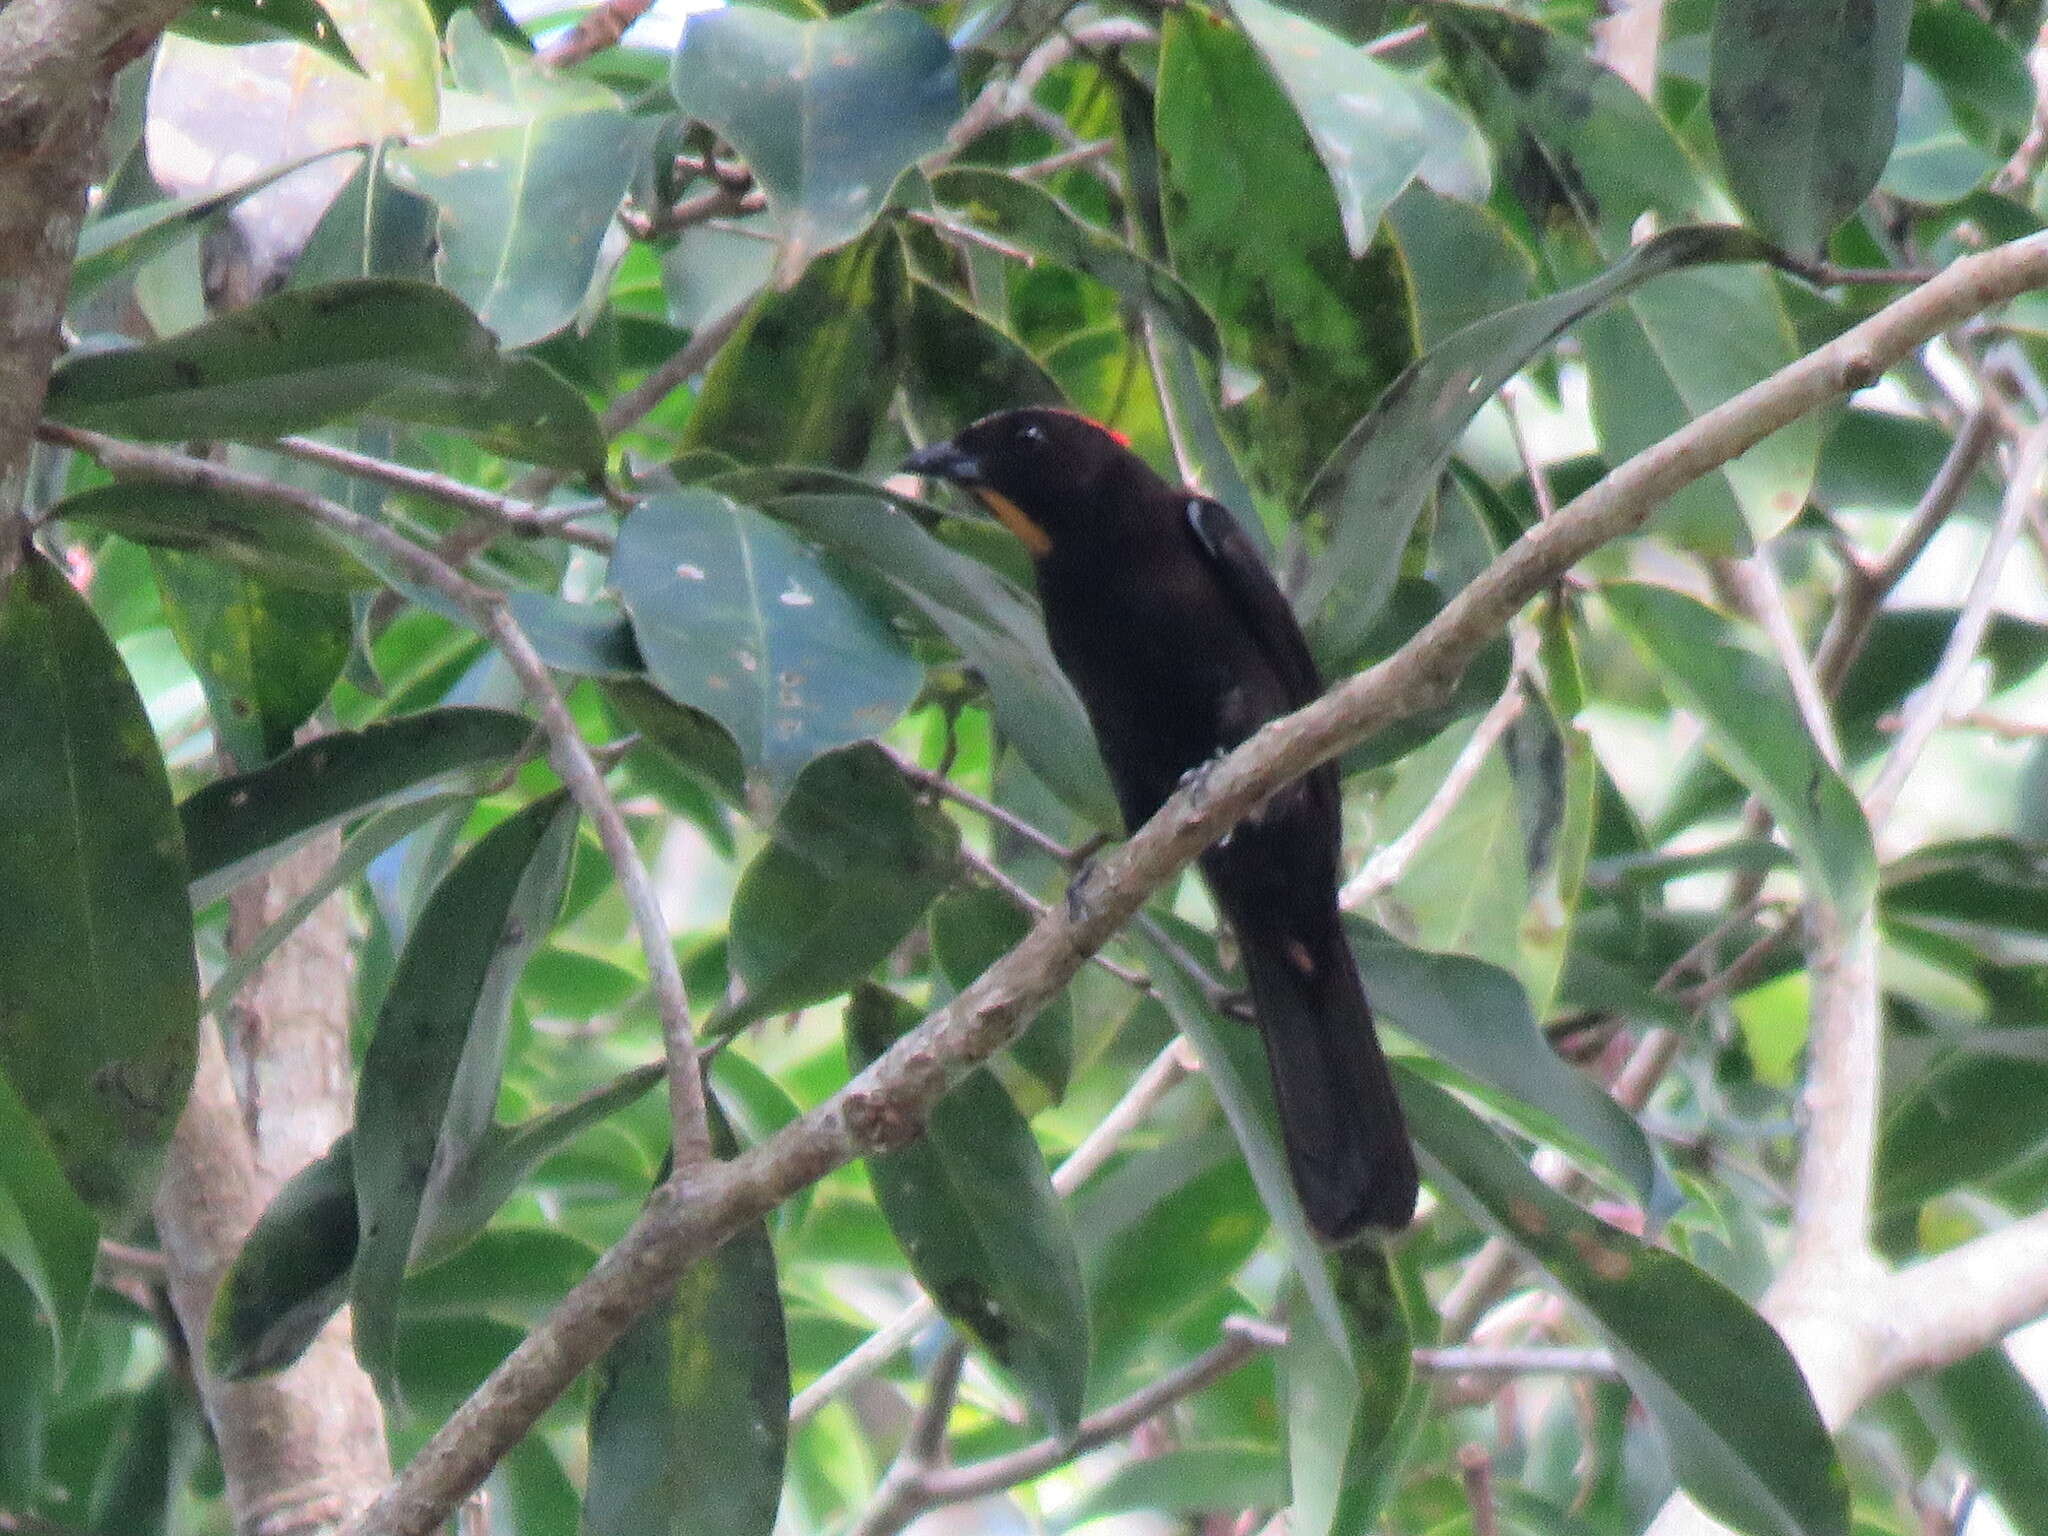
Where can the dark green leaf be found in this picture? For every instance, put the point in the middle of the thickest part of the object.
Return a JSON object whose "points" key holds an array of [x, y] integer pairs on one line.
{"points": [[1755, 729], [687, 737], [431, 1071], [1976, 1114], [958, 368], [1350, 1405], [1187, 1480], [1477, 1017], [527, 411], [48, 1236], [371, 229], [1373, 487], [238, 825], [806, 378], [1462, 260], [276, 544], [691, 1420], [25, 1391], [973, 1208], [266, 655], [1987, 883], [1744, 1434], [994, 626], [283, 364], [855, 860], [99, 993], [1805, 105], [826, 114], [741, 620], [1019, 211], [292, 1272], [973, 929], [261, 21], [1321, 332], [1991, 1418]]}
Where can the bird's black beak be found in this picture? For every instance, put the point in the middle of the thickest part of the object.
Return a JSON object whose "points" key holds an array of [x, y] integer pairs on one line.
{"points": [[945, 461]]}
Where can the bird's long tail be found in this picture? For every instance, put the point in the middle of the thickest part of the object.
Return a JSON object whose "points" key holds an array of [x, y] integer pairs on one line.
{"points": [[1347, 1145]]}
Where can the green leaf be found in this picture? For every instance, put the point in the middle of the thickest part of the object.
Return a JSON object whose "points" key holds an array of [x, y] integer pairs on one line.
{"points": [[743, 621], [826, 113], [1745, 1437], [26, 1388], [127, 239], [1020, 212], [1934, 160], [524, 207], [269, 543], [974, 1211], [284, 364], [48, 1236], [377, 833], [266, 655], [1804, 100], [1462, 260], [807, 376], [99, 993], [687, 737], [1477, 1017], [1995, 884], [973, 929], [431, 1071], [958, 368], [1976, 1114], [527, 412], [1990, 1417], [291, 1274], [993, 625], [1755, 729], [690, 1424], [855, 860], [1588, 157], [235, 22], [239, 825], [371, 229], [1234, 1065], [1376, 129], [1320, 331], [1350, 1405], [1373, 486]]}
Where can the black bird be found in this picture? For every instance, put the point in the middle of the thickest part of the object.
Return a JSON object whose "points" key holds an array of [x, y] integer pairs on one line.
{"points": [[1165, 618]]}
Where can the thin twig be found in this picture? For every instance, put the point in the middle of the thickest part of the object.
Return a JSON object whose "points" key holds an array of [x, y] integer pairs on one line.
{"points": [[1475, 1471], [514, 514], [1522, 1360], [1932, 704], [1764, 595], [569, 752], [600, 29], [901, 1493], [988, 871]]}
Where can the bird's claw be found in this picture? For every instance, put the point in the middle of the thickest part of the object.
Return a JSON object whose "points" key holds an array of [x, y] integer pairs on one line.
{"points": [[1078, 904]]}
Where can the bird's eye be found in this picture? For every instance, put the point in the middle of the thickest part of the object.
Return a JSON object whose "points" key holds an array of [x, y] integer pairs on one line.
{"points": [[1031, 432]]}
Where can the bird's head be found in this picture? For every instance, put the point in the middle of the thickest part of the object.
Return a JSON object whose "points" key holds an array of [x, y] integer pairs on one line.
{"points": [[1042, 473]]}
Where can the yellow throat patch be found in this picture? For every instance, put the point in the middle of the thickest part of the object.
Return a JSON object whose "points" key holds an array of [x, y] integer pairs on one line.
{"points": [[1016, 519]]}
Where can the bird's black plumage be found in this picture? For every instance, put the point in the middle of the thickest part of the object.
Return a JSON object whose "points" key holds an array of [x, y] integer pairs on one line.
{"points": [[1173, 632]]}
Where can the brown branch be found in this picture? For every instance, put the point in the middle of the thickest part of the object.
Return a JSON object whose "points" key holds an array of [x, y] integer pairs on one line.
{"points": [[884, 1104], [600, 29]]}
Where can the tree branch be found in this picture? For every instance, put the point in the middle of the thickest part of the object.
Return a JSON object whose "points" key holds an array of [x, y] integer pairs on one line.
{"points": [[883, 1105]]}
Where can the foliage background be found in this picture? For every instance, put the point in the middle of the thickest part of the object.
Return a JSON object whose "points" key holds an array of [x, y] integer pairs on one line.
{"points": [[470, 617]]}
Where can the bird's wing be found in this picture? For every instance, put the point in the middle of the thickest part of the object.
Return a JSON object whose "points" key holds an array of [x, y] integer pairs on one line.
{"points": [[1259, 602]]}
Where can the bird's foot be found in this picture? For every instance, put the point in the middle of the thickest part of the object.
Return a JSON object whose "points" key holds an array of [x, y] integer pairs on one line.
{"points": [[1079, 906]]}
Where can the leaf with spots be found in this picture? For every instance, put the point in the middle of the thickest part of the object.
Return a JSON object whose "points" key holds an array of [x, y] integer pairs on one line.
{"points": [[241, 824], [1745, 1437], [974, 1211], [269, 543], [266, 655], [431, 1071], [807, 377], [99, 994], [827, 114], [739, 618], [855, 860], [689, 1426], [1323, 332], [1805, 105]]}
